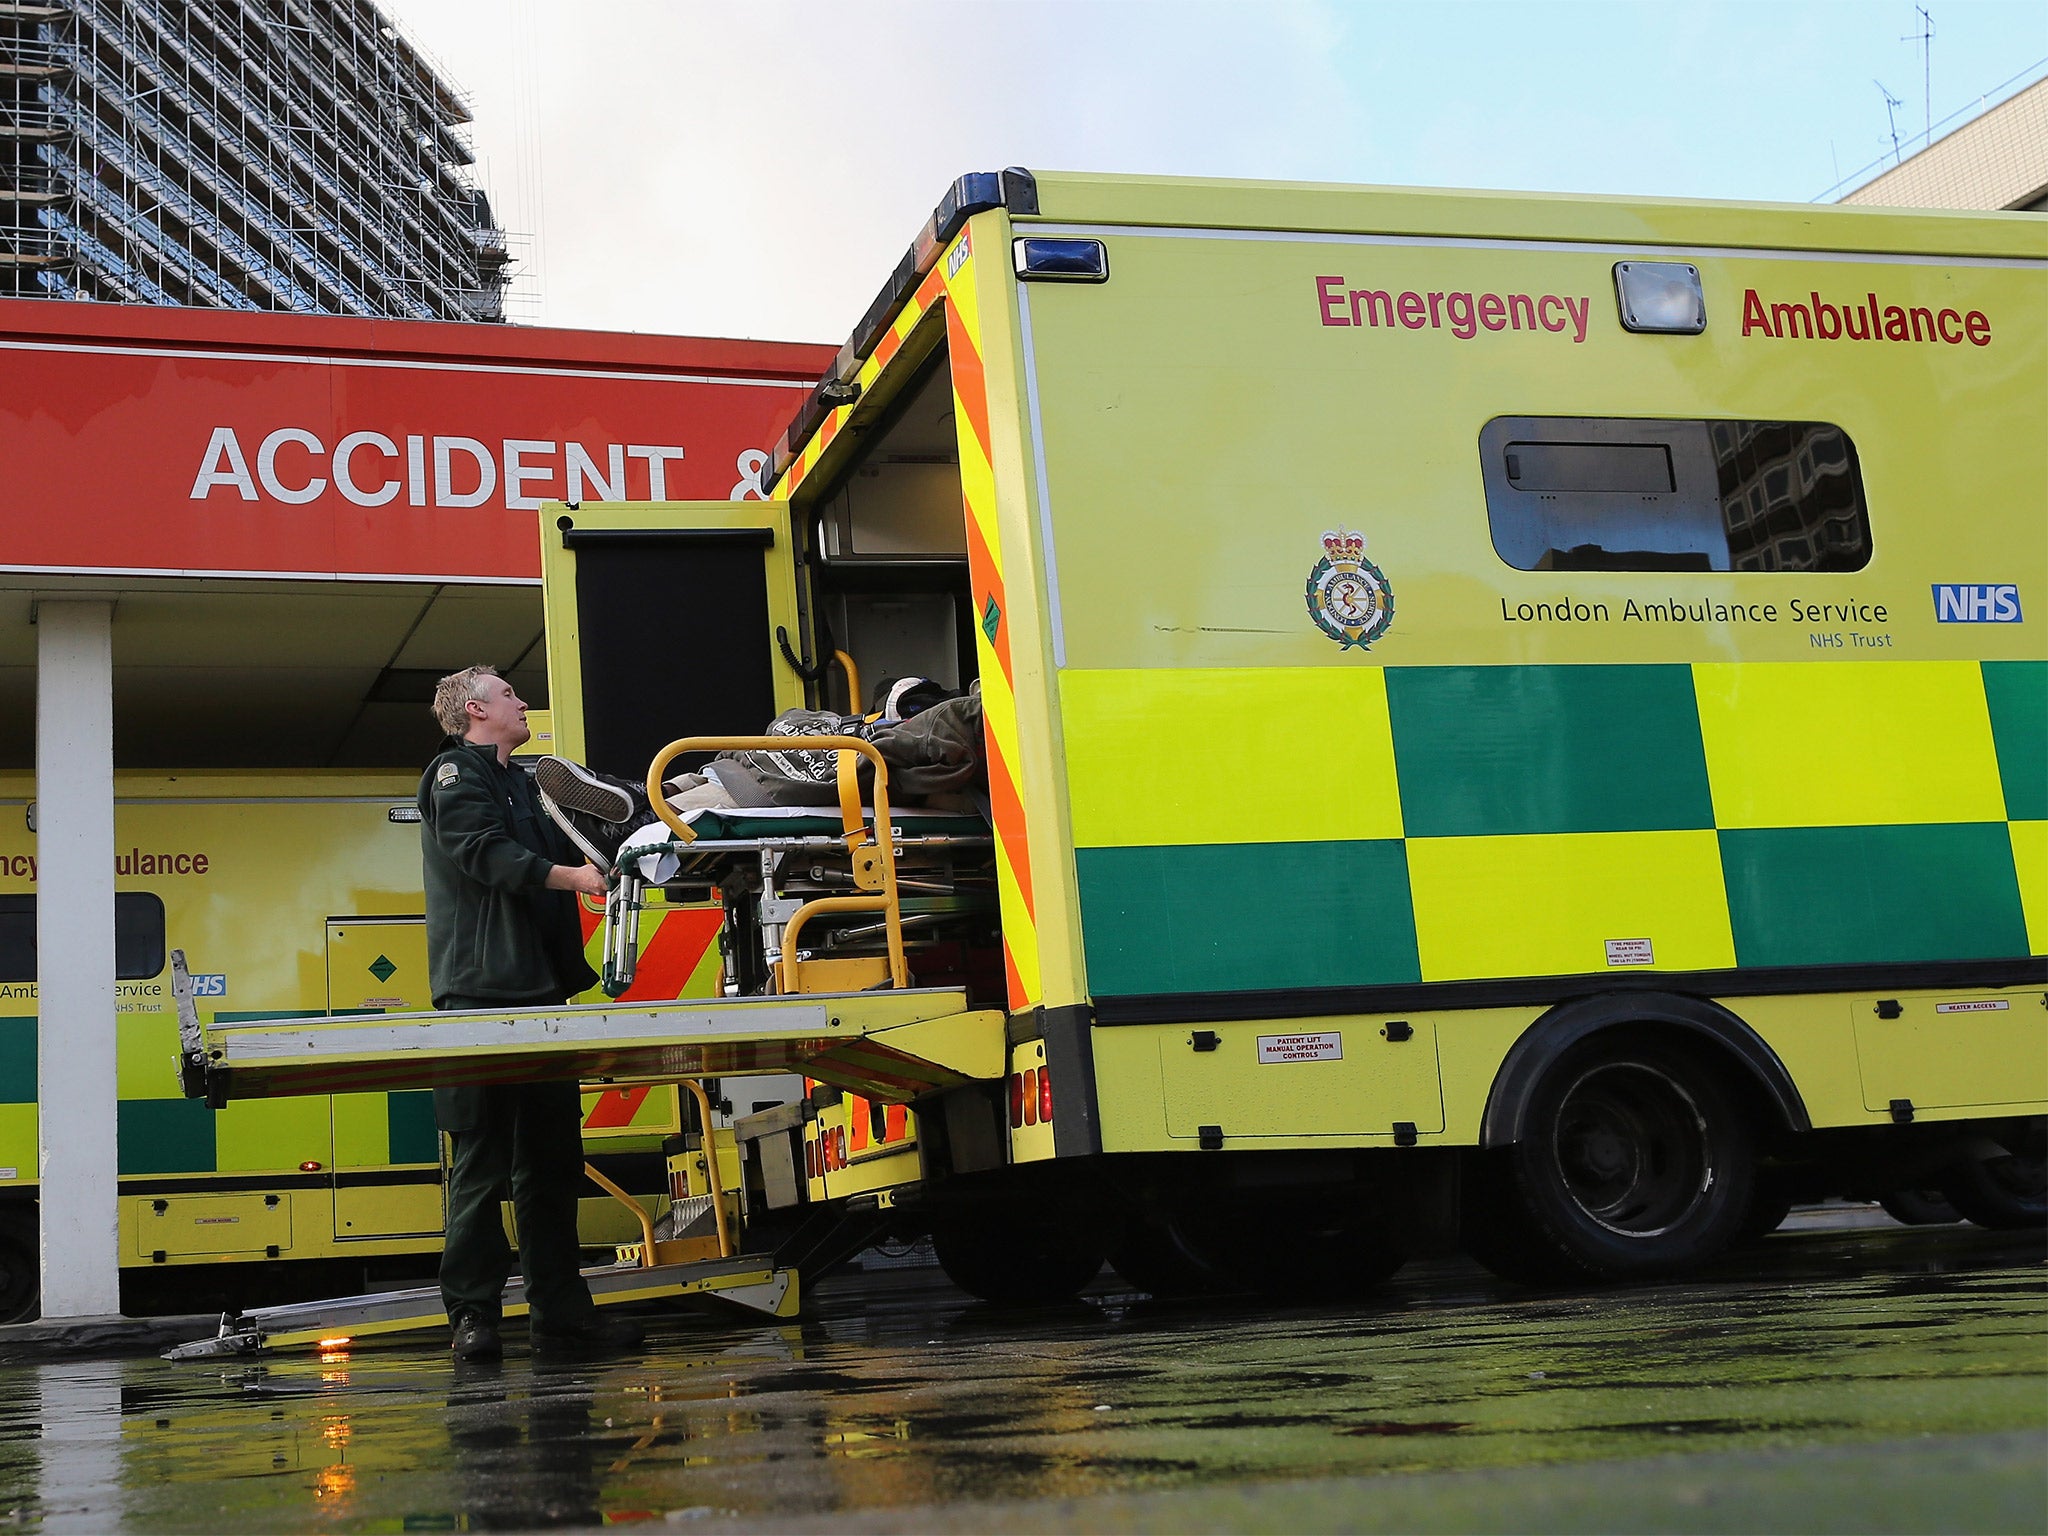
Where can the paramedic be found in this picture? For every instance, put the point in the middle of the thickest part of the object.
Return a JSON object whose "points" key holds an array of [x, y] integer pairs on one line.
{"points": [[502, 932]]}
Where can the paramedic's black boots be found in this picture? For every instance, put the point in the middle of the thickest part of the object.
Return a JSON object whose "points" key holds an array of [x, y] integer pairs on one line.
{"points": [[594, 1334], [475, 1338]]}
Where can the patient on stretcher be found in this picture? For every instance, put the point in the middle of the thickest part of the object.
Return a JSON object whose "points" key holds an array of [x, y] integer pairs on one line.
{"points": [[929, 737]]}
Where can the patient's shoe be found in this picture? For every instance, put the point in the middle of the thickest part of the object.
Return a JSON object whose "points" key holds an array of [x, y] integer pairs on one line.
{"points": [[576, 788]]}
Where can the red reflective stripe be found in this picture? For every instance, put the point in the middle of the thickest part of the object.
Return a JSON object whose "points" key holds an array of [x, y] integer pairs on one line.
{"points": [[987, 583], [672, 953], [1007, 807], [616, 1107], [1015, 978], [970, 385]]}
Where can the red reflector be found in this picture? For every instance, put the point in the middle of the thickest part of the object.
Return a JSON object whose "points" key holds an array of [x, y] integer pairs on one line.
{"points": [[1016, 1099], [1045, 1095], [1030, 1095], [309, 1166], [810, 1159]]}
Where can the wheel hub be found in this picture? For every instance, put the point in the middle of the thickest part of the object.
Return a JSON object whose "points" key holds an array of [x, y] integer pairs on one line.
{"points": [[1632, 1149]]}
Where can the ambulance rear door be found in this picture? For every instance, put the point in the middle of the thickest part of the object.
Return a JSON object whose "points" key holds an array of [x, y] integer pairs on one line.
{"points": [[668, 619]]}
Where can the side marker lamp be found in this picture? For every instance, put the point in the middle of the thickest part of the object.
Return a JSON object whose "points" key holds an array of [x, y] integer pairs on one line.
{"points": [[1660, 297], [1050, 259]]}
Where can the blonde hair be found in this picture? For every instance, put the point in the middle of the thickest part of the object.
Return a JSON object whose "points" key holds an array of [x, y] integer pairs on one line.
{"points": [[457, 689]]}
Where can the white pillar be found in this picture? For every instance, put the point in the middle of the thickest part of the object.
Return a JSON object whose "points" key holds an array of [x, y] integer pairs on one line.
{"points": [[78, 1163]]}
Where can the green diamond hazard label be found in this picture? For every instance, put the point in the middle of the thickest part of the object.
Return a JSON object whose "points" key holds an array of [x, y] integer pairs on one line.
{"points": [[382, 968], [991, 619]]}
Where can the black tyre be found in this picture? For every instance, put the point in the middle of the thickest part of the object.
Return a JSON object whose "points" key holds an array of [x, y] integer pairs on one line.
{"points": [[1919, 1207], [1635, 1160], [1767, 1212], [1150, 1255], [1495, 1227], [1302, 1248], [1018, 1260], [21, 1276], [2005, 1193]]}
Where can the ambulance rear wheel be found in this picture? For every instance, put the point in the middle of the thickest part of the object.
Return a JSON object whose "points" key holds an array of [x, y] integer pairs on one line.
{"points": [[21, 1279], [1019, 1258], [2007, 1193], [1150, 1254], [1634, 1160], [1311, 1248], [1919, 1208]]}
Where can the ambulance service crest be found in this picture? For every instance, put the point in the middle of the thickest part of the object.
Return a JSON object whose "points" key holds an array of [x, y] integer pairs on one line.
{"points": [[1348, 596]]}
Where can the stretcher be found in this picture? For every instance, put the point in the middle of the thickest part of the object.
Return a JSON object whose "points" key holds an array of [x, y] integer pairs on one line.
{"points": [[814, 901]]}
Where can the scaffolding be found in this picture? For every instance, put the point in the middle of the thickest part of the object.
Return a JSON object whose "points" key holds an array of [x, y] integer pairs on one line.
{"points": [[294, 155]]}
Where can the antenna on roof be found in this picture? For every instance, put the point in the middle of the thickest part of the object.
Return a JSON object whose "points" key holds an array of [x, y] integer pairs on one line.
{"points": [[1925, 38], [1891, 106]]}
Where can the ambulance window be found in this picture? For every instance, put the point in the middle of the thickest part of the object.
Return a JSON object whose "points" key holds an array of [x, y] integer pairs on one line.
{"points": [[138, 936], [1575, 493]]}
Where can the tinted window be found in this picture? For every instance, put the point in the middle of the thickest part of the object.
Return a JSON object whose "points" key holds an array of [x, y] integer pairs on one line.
{"points": [[1580, 493], [138, 936]]}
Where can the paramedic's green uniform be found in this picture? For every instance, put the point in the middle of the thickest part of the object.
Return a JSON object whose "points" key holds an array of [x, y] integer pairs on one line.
{"points": [[498, 938]]}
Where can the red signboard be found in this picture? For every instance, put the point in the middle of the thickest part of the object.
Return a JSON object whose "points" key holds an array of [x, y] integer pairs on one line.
{"points": [[195, 442]]}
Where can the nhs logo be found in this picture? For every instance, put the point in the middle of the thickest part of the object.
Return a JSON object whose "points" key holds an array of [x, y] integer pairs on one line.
{"points": [[1979, 603]]}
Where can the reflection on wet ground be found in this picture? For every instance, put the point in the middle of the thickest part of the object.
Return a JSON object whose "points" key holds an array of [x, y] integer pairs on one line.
{"points": [[901, 1393]]}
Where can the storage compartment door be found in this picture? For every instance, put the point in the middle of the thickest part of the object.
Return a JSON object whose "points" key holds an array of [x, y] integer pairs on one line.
{"points": [[1348, 1078], [1956, 1051], [377, 965]]}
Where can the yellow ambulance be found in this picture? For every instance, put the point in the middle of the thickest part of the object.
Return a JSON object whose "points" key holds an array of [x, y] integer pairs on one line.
{"points": [[1518, 720], [1513, 716], [295, 896]]}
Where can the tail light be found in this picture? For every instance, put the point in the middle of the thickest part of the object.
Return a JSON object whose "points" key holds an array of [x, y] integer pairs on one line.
{"points": [[1016, 1099], [1045, 1096]]}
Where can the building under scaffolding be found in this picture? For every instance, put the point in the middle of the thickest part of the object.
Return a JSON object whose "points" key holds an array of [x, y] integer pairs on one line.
{"points": [[242, 154]]}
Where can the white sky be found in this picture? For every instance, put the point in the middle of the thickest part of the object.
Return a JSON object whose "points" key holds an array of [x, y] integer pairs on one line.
{"points": [[756, 167]]}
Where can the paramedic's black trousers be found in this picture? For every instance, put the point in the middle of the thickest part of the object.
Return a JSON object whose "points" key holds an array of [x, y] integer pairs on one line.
{"points": [[525, 1139]]}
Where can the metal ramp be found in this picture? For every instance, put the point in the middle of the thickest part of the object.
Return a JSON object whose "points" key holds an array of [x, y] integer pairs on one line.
{"points": [[753, 1282], [891, 1045]]}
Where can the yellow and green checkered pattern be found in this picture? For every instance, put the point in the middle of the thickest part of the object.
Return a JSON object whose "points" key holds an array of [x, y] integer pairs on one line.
{"points": [[1256, 829]]}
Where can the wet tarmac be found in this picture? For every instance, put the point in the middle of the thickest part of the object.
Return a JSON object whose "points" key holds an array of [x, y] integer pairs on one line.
{"points": [[1828, 1380]]}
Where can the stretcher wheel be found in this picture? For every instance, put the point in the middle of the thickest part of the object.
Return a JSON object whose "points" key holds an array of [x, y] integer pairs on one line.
{"points": [[1634, 1160]]}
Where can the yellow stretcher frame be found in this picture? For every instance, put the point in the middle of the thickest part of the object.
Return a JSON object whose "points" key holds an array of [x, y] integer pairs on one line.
{"points": [[873, 850]]}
